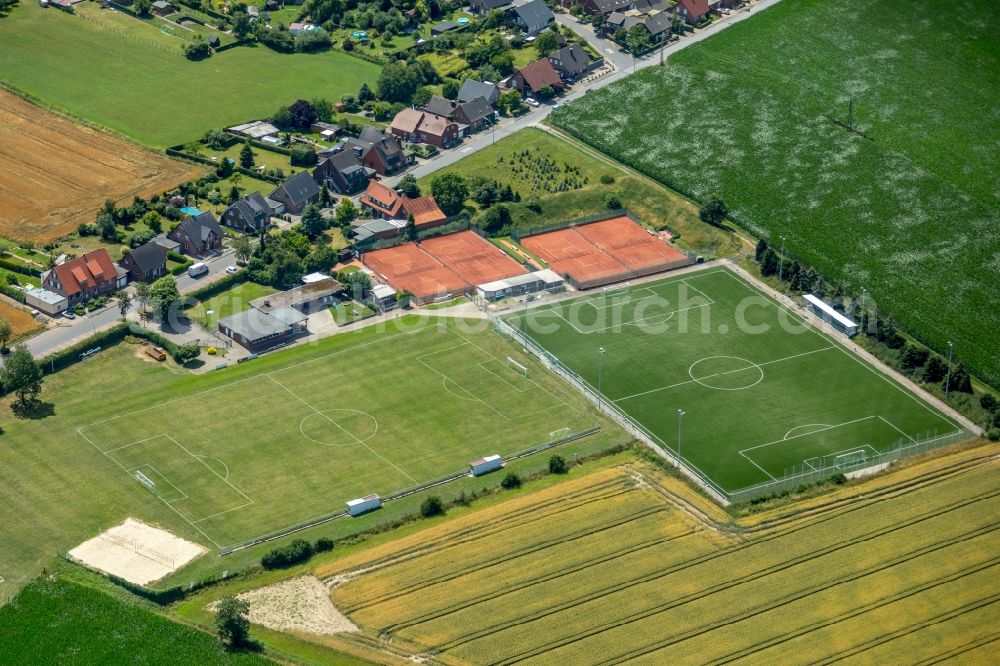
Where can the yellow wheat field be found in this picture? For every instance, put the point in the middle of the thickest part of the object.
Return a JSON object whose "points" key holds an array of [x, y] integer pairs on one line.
{"points": [[626, 565]]}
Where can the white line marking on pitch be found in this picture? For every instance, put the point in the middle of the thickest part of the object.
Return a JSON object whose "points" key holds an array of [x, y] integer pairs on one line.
{"points": [[758, 466], [351, 434], [718, 374]]}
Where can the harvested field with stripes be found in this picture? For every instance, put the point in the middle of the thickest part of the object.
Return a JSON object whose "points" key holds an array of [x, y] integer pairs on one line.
{"points": [[626, 564]]}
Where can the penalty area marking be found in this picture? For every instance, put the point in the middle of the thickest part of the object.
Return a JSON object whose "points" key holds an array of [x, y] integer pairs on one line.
{"points": [[819, 426]]}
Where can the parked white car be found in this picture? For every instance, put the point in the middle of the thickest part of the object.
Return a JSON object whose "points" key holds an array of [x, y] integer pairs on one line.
{"points": [[231, 269], [532, 101]]}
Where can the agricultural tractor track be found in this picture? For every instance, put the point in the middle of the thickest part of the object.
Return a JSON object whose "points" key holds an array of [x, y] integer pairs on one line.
{"points": [[716, 588]]}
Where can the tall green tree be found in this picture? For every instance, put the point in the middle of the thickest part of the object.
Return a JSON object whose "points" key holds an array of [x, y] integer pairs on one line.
{"points": [[450, 191], [408, 186], [713, 210], [242, 249], [347, 212], [546, 43], [6, 332], [163, 295], [232, 620], [142, 295], [124, 302], [313, 223], [246, 156], [21, 375], [410, 230]]}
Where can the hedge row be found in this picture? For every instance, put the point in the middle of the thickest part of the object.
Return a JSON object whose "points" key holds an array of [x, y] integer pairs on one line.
{"points": [[63, 359], [219, 286], [12, 292], [297, 551], [18, 267]]}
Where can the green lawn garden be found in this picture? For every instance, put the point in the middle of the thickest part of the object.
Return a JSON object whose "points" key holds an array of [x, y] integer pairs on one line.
{"points": [[150, 93], [229, 302], [562, 195]]}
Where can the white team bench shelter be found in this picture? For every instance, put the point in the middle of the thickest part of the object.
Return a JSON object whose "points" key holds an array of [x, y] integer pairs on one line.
{"points": [[831, 316], [485, 465], [356, 507]]}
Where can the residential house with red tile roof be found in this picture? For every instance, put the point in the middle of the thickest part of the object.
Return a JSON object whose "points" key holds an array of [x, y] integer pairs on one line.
{"points": [[86, 277], [391, 205], [532, 78], [418, 126]]}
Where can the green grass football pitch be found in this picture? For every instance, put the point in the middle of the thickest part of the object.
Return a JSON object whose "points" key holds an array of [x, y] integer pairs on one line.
{"points": [[285, 446], [763, 394]]}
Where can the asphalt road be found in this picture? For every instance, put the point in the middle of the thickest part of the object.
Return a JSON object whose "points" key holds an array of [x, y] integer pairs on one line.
{"points": [[624, 65], [69, 331]]}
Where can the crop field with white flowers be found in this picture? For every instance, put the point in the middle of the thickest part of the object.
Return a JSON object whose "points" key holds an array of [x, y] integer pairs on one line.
{"points": [[867, 134]]}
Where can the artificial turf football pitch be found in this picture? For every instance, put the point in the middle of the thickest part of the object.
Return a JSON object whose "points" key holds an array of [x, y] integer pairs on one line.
{"points": [[764, 395]]}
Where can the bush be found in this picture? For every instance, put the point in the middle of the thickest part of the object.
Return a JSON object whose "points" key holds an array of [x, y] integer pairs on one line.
{"points": [[432, 506], [613, 202], [197, 49], [557, 465], [839, 479], [303, 156], [511, 481], [297, 551], [607, 179], [18, 267], [12, 292], [993, 435], [323, 545], [184, 353], [313, 40]]}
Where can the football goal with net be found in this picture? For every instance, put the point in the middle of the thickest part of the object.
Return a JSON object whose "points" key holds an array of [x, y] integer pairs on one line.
{"points": [[146, 481], [517, 367]]}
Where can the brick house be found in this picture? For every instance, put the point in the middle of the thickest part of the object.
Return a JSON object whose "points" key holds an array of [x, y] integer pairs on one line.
{"points": [[389, 204], [692, 11], [342, 173], [86, 277], [418, 126], [297, 192], [376, 150], [532, 78], [145, 263], [249, 214], [198, 235]]}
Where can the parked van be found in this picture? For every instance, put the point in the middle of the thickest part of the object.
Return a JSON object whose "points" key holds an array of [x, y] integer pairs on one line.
{"points": [[197, 270]]}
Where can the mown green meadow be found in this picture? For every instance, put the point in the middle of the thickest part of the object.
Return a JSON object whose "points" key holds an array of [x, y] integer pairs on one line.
{"points": [[62, 621], [905, 206], [133, 83]]}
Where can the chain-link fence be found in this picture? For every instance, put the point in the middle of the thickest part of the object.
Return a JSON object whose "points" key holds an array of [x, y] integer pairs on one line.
{"points": [[807, 472]]}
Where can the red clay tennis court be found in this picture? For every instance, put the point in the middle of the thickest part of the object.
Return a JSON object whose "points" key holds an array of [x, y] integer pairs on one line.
{"points": [[603, 252], [441, 266], [408, 268], [631, 245], [475, 259]]}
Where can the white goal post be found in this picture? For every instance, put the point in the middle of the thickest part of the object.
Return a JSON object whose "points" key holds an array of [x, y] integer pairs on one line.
{"points": [[615, 289], [523, 369], [146, 481], [850, 459]]}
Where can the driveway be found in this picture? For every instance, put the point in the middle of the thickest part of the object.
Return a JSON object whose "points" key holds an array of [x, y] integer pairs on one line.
{"points": [[66, 332]]}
